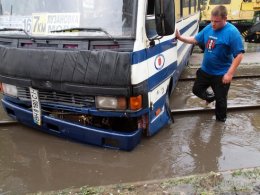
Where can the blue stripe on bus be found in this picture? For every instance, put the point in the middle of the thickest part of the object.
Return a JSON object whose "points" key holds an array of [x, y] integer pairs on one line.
{"points": [[188, 26], [165, 73], [144, 54], [161, 75], [183, 45]]}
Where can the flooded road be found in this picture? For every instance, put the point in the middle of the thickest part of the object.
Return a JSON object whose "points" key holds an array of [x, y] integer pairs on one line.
{"points": [[31, 161], [242, 92]]}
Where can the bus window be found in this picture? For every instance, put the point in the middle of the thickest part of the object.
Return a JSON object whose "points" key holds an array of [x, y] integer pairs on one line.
{"points": [[178, 14], [150, 7], [150, 25], [193, 5], [219, 2], [185, 8]]}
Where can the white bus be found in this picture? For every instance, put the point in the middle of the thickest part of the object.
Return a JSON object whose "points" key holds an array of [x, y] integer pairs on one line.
{"points": [[97, 71]]}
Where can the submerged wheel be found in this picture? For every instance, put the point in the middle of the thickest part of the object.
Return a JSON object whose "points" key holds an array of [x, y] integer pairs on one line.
{"points": [[167, 106]]}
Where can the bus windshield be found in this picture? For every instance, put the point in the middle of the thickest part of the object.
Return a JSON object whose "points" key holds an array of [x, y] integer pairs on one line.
{"points": [[219, 2], [43, 17]]}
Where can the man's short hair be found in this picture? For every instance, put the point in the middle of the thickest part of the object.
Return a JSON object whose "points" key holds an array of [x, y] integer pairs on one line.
{"points": [[219, 10]]}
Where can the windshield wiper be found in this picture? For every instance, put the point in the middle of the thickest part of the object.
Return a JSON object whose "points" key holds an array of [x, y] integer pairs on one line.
{"points": [[18, 29], [85, 29]]}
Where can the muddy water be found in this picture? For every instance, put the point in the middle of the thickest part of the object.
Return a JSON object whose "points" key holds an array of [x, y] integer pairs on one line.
{"points": [[242, 92], [31, 161]]}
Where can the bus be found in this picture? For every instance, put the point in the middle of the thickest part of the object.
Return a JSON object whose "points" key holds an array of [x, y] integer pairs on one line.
{"points": [[99, 72], [240, 13]]}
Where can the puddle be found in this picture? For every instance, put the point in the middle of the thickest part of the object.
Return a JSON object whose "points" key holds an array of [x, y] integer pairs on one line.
{"points": [[242, 92], [31, 161]]}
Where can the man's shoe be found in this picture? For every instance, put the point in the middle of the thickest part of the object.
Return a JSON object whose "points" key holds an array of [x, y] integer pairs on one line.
{"points": [[210, 97], [221, 119]]}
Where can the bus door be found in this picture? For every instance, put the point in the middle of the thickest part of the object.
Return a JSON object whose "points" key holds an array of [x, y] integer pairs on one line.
{"points": [[161, 54]]}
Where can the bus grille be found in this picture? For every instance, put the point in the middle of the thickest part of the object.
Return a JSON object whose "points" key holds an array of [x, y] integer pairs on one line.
{"points": [[57, 98]]}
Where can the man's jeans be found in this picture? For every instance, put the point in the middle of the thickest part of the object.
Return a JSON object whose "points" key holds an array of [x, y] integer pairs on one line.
{"points": [[202, 82]]}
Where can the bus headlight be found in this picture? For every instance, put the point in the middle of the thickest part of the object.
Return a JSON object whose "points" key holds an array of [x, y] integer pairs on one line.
{"points": [[9, 89], [114, 103]]}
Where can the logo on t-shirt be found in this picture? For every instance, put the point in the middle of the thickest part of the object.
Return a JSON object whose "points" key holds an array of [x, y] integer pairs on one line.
{"points": [[211, 44]]}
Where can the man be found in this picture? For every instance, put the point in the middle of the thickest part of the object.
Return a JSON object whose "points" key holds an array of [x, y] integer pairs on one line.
{"points": [[223, 53]]}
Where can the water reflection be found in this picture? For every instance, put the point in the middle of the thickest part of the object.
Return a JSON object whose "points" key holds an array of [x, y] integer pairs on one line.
{"points": [[205, 145]]}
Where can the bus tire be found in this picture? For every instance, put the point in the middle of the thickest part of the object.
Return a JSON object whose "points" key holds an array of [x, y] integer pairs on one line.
{"points": [[168, 108]]}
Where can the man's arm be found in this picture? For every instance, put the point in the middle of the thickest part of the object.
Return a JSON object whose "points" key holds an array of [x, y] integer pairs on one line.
{"points": [[190, 40], [227, 78]]}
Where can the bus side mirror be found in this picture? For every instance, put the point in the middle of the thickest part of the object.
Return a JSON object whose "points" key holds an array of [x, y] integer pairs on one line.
{"points": [[164, 17]]}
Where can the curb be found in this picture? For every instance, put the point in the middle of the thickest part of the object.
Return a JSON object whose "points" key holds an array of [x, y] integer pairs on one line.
{"points": [[240, 181]]}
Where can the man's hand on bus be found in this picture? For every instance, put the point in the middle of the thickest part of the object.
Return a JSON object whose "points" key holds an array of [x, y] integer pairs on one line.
{"points": [[177, 34], [190, 40]]}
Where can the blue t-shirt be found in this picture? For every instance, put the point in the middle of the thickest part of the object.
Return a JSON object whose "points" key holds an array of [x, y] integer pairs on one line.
{"points": [[221, 47]]}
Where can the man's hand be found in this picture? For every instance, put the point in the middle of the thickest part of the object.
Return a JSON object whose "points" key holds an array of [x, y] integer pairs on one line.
{"points": [[190, 40], [177, 34], [227, 78]]}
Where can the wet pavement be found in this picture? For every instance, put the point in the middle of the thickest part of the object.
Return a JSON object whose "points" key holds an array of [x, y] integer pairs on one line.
{"points": [[242, 92], [31, 161]]}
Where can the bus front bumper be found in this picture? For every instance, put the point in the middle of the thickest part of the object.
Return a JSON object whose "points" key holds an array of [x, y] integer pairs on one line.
{"points": [[85, 134]]}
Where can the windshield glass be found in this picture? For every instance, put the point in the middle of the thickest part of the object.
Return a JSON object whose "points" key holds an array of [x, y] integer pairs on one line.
{"points": [[40, 17], [219, 2]]}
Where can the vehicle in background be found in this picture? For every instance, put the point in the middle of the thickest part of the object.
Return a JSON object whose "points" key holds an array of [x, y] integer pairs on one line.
{"points": [[252, 34], [240, 13], [97, 71]]}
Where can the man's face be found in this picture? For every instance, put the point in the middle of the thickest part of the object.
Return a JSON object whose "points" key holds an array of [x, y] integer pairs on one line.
{"points": [[218, 22]]}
